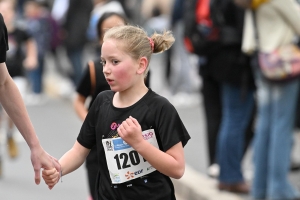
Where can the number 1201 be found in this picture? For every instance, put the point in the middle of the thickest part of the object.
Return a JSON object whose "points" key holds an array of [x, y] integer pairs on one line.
{"points": [[133, 156]]}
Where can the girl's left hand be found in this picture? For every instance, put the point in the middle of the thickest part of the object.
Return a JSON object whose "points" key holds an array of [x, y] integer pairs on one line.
{"points": [[130, 131]]}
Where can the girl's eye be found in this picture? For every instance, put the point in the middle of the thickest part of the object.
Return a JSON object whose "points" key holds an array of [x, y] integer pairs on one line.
{"points": [[103, 62], [115, 62]]}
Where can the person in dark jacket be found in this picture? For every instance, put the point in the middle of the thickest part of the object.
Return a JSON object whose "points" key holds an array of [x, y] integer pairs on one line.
{"points": [[75, 28]]}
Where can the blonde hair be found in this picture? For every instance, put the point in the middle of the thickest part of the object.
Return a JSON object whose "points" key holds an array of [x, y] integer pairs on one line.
{"points": [[137, 43]]}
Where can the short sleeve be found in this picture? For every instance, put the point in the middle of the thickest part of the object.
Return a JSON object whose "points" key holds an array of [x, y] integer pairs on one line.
{"points": [[87, 135], [171, 128], [3, 40]]}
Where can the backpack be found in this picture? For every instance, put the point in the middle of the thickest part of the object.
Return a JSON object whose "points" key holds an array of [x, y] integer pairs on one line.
{"points": [[201, 35], [206, 29]]}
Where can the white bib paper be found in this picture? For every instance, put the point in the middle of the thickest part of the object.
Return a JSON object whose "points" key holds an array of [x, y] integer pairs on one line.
{"points": [[123, 162]]}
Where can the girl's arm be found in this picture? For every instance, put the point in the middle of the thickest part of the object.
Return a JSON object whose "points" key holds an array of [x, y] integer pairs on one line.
{"points": [[73, 158], [79, 106], [171, 163], [69, 162]]}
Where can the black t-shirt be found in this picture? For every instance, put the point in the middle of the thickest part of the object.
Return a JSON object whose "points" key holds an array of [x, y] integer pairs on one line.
{"points": [[15, 55], [84, 88], [152, 112], [3, 40]]}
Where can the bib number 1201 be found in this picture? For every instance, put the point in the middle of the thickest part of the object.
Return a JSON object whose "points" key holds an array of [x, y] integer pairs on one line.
{"points": [[133, 156]]}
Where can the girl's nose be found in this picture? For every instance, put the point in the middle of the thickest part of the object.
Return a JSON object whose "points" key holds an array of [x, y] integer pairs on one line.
{"points": [[106, 69]]}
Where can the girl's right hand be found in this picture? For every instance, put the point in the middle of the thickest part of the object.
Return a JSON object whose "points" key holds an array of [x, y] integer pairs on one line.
{"points": [[51, 177]]}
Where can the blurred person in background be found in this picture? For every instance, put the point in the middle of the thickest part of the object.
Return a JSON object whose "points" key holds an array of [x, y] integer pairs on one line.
{"points": [[99, 8], [75, 24], [232, 70], [227, 91], [91, 84], [181, 66], [277, 102], [38, 26], [21, 55], [11, 100]]}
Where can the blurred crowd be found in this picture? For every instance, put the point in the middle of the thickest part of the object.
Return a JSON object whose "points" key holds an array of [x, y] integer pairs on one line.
{"points": [[242, 110]]}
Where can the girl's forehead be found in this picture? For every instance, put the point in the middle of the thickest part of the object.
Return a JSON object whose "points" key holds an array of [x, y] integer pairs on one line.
{"points": [[112, 47]]}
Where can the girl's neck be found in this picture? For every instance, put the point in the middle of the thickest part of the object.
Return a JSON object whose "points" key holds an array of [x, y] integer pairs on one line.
{"points": [[129, 97]]}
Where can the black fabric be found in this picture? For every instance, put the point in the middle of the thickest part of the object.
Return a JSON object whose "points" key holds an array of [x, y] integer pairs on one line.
{"points": [[229, 19], [229, 64], [3, 40], [92, 172], [198, 34], [211, 93], [84, 89], [15, 55], [152, 112], [76, 23], [297, 118]]}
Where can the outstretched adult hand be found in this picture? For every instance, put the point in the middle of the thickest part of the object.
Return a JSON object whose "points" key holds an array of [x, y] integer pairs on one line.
{"points": [[41, 159]]}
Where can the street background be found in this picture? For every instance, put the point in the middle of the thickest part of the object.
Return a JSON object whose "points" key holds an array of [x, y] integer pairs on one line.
{"points": [[57, 127]]}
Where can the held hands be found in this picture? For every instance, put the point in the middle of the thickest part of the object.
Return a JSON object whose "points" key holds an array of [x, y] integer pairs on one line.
{"points": [[41, 159], [51, 177], [130, 131]]}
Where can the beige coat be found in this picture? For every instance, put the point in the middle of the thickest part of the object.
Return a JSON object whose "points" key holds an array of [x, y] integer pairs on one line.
{"points": [[278, 23]]}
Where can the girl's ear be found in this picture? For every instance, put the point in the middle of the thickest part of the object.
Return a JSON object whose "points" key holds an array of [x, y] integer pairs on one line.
{"points": [[143, 63]]}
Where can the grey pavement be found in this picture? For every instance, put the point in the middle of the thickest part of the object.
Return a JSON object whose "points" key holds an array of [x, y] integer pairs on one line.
{"points": [[57, 126]]}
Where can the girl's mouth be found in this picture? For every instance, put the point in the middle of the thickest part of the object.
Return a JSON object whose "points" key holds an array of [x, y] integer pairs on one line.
{"points": [[109, 81]]}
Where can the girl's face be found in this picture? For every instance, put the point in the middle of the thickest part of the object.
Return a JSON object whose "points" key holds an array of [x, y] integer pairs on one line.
{"points": [[110, 22], [120, 69]]}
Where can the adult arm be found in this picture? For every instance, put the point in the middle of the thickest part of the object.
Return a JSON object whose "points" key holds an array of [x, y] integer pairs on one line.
{"points": [[12, 102]]}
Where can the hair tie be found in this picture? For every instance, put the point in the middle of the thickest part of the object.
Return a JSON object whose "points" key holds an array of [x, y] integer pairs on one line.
{"points": [[151, 43]]}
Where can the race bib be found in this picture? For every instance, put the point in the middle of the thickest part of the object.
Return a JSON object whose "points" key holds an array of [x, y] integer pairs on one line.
{"points": [[123, 162]]}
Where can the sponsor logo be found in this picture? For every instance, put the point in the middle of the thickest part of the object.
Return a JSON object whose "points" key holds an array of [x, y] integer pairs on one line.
{"points": [[131, 175], [119, 144], [116, 178], [114, 126], [150, 168], [108, 146], [138, 172], [147, 136]]}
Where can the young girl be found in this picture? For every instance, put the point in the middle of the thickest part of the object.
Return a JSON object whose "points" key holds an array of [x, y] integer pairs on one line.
{"points": [[90, 85], [139, 134]]}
